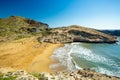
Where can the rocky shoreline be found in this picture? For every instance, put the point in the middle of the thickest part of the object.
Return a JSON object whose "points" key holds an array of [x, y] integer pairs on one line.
{"points": [[85, 74]]}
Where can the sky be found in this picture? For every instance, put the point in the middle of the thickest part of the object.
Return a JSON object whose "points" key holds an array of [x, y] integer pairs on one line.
{"points": [[98, 14]]}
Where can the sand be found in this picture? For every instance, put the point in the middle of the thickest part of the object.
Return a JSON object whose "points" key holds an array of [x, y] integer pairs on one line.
{"points": [[27, 54]]}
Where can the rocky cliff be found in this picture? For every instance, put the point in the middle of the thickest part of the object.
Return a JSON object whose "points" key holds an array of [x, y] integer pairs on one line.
{"points": [[77, 34]]}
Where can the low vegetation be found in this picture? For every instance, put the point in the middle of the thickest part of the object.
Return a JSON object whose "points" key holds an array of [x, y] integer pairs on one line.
{"points": [[15, 27], [39, 76], [7, 77]]}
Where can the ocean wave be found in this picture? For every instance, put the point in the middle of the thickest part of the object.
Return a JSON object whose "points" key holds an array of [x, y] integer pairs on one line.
{"points": [[106, 71], [63, 54], [87, 54]]}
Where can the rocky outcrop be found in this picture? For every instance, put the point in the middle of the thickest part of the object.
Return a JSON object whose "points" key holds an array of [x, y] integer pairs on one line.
{"points": [[35, 26], [15, 27], [77, 34], [84, 74]]}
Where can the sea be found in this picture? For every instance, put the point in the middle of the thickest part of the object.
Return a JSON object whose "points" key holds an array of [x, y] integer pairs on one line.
{"points": [[101, 57]]}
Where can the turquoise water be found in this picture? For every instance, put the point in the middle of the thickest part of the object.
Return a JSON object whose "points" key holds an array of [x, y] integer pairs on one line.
{"points": [[104, 58]]}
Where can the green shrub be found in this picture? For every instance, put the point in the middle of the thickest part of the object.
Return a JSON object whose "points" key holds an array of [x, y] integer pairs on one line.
{"points": [[45, 33], [39, 76], [7, 77]]}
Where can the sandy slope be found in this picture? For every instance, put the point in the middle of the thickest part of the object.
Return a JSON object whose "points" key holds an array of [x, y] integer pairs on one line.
{"points": [[27, 54]]}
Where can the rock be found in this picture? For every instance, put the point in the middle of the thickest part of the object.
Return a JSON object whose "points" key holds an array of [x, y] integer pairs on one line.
{"points": [[36, 30], [78, 34], [26, 77], [20, 72], [85, 74]]}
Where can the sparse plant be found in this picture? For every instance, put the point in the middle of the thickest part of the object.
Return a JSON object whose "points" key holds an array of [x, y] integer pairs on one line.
{"points": [[39, 76], [93, 79], [45, 33], [42, 77], [2, 77]]}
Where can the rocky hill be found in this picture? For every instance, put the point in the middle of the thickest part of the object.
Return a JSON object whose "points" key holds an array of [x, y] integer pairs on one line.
{"points": [[111, 32], [77, 34], [15, 27]]}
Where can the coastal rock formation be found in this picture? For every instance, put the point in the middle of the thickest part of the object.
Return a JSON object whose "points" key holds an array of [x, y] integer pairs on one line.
{"points": [[77, 34], [85, 74], [15, 27]]}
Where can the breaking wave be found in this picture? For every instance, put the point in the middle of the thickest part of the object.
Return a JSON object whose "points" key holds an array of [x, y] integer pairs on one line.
{"points": [[73, 56]]}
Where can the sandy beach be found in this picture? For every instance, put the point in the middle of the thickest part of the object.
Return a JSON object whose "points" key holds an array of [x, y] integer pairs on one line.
{"points": [[27, 54]]}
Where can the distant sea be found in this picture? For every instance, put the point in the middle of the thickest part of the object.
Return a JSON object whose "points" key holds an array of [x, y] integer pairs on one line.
{"points": [[101, 57]]}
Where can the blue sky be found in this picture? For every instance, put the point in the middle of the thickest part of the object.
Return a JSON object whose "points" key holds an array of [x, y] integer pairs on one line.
{"points": [[99, 14]]}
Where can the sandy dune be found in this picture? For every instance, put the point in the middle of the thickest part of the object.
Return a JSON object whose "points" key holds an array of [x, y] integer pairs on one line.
{"points": [[27, 54]]}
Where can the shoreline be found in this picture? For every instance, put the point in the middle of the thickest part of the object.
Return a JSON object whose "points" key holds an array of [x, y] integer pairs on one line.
{"points": [[29, 55], [42, 62]]}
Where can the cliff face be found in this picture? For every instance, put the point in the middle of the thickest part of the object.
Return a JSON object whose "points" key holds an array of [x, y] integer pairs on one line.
{"points": [[15, 27], [77, 34]]}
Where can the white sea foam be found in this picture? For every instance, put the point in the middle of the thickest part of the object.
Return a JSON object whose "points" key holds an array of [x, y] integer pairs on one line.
{"points": [[118, 42], [118, 39], [106, 71], [87, 54], [63, 54]]}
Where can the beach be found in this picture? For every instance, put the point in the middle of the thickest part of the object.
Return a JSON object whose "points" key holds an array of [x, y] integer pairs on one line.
{"points": [[27, 54]]}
